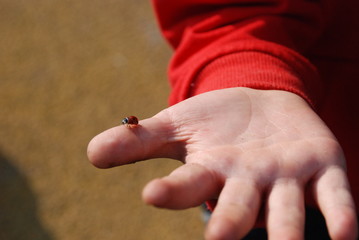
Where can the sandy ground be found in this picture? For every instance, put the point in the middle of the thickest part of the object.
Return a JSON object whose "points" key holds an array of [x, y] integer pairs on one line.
{"points": [[69, 70]]}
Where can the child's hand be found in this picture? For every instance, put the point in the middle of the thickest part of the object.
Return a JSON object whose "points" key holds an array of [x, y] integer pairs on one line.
{"points": [[245, 147]]}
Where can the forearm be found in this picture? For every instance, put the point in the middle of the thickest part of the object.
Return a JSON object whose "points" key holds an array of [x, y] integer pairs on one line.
{"points": [[243, 44]]}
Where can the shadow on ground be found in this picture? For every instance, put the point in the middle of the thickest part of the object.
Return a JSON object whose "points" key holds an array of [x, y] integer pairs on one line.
{"points": [[18, 206]]}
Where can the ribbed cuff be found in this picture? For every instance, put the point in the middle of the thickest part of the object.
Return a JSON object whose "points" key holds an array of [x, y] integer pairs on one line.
{"points": [[258, 70]]}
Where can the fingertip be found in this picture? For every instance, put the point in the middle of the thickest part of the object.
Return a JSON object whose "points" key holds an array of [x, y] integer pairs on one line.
{"points": [[219, 229], [100, 151], [213, 232], [334, 198], [92, 154], [235, 214], [345, 225], [155, 193]]}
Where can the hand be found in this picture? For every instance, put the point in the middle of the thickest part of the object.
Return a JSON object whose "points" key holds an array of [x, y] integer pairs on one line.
{"points": [[247, 148]]}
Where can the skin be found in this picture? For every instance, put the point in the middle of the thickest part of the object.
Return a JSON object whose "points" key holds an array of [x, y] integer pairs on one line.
{"points": [[248, 148]]}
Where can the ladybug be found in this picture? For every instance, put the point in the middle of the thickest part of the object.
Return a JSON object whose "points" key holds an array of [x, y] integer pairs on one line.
{"points": [[130, 121]]}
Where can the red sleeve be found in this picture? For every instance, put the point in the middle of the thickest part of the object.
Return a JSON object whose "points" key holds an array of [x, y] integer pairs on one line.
{"points": [[262, 44]]}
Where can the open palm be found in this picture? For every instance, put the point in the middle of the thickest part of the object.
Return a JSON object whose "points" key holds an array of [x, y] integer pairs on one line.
{"points": [[245, 148]]}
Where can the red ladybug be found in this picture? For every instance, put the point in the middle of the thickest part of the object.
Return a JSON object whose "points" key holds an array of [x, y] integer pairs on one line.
{"points": [[130, 121]]}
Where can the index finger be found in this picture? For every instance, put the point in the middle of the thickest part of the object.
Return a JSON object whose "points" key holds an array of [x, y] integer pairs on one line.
{"points": [[122, 145]]}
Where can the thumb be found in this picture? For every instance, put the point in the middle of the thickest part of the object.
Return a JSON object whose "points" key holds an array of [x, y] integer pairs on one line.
{"points": [[152, 138]]}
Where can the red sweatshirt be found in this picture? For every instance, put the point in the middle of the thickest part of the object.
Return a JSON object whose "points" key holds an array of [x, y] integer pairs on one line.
{"points": [[308, 47]]}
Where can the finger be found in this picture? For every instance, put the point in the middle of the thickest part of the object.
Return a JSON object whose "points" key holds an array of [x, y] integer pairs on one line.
{"points": [[236, 210], [120, 145], [188, 186], [285, 210], [335, 201]]}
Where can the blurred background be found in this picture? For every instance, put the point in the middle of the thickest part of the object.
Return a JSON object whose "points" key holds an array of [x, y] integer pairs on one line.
{"points": [[69, 70]]}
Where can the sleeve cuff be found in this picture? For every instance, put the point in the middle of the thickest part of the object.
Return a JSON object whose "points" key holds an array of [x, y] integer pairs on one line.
{"points": [[258, 70]]}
